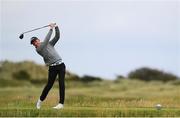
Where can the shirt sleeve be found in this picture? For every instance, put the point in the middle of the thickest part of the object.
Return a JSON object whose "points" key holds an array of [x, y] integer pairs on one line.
{"points": [[48, 36], [57, 36]]}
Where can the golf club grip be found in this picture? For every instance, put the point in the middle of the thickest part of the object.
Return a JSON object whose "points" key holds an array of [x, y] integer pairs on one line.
{"points": [[37, 28]]}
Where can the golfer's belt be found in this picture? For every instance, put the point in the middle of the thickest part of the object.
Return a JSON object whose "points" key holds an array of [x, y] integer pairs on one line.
{"points": [[56, 63]]}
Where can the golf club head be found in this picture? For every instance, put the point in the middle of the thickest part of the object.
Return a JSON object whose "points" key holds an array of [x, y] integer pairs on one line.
{"points": [[21, 36]]}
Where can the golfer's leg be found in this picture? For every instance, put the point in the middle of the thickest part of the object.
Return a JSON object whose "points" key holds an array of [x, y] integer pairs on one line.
{"points": [[62, 83], [51, 78]]}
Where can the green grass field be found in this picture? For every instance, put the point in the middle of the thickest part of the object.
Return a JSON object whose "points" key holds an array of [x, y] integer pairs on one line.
{"points": [[107, 98]]}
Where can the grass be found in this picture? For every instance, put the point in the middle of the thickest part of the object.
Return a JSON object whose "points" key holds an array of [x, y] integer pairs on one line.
{"points": [[90, 111], [128, 98]]}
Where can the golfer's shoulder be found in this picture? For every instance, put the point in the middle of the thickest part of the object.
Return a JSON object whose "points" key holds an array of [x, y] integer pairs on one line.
{"points": [[38, 49], [41, 46]]}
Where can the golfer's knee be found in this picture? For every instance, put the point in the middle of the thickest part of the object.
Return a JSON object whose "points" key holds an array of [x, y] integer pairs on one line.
{"points": [[62, 86], [49, 85], [61, 83]]}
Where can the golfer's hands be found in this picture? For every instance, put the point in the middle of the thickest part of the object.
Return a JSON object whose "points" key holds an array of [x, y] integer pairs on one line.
{"points": [[52, 25]]}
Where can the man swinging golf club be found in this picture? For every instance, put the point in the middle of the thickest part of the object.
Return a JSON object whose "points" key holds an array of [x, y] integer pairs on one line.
{"points": [[54, 61]]}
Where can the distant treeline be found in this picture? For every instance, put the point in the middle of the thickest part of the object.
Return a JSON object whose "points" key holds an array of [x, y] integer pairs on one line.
{"points": [[35, 73]]}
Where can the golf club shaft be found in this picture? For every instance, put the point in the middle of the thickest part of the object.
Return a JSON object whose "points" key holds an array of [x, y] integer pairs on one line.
{"points": [[36, 29]]}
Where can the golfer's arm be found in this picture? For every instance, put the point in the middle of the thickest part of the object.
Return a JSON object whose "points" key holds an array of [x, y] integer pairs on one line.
{"points": [[48, 36], [57, 36]]}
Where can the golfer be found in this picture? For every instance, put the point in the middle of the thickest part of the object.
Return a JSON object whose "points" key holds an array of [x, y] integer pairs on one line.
{"points": [[54, 61]]}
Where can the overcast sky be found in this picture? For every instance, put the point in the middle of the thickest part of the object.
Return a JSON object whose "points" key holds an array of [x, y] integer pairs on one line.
{"points": [[99, 38]]}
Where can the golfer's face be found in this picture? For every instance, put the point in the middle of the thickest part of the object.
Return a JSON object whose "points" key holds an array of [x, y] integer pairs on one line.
{"points": [[36, 43]]}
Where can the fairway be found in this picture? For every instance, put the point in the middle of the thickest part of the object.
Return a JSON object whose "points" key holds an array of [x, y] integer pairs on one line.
{"points": [[106, 98]]}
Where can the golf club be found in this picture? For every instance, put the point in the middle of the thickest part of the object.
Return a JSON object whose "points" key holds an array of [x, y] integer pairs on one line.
{"points": [[22, 34]]}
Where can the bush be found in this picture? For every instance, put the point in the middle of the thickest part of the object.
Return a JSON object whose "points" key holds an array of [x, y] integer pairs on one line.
{"points": [[21, 75], [87, 78], [148, 74], [72, 77]]}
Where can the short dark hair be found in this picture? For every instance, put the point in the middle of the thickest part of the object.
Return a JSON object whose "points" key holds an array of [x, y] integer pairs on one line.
{"points": [[33, 39]]}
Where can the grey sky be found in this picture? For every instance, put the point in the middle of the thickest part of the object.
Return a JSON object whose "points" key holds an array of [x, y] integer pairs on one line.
{"points": [[100, 38]]}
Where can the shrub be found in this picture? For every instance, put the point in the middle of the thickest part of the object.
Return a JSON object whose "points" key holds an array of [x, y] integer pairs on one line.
{"points": [[21, 75], [148, 74], [88, 78]]}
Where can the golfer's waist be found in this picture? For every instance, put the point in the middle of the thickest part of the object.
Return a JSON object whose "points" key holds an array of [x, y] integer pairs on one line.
{"points": [[56, 63]]}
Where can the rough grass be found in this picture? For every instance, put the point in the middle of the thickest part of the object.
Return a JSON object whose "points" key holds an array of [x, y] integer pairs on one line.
{"points": [[128, 98]]}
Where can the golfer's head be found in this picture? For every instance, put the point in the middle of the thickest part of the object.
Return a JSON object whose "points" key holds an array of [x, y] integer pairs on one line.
{"points": [[35, 41]]}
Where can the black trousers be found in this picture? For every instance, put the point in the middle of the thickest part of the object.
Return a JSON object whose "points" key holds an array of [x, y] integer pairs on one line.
{"points": [[53, 72]]}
